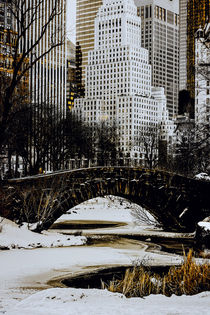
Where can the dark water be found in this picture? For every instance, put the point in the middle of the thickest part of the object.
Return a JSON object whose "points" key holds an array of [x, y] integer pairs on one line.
{"points": [[94, 280], [85, 225]]}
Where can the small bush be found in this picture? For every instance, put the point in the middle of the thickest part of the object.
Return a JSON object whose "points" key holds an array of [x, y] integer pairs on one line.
{"points": [[189, 278]]}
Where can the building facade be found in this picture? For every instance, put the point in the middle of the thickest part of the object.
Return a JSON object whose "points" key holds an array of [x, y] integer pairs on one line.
{"points": [[160, 35], [6, 19], [41, 32], [86, 11], [7, 38], [202, 76], [47, 76], [118, 80], [197, 13], [10, 163], [183, 44], [71, 86]]}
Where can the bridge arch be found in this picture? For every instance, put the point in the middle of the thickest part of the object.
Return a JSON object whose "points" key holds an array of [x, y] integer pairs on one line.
{"points": [[175, 201]]}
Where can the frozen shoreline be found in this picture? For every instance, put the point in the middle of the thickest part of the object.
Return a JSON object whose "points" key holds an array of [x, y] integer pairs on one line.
{"points": [[26, 271]]}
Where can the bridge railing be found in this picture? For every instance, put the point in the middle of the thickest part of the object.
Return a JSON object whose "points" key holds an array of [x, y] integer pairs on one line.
{"points": [[86, 163]]}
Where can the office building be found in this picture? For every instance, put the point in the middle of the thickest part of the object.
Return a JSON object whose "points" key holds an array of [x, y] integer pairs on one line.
{"points": [[197, 13], [118, 80], [202, 76], [71, 86], [48, 76], [160, 35], [183, 44], [86, 11]]}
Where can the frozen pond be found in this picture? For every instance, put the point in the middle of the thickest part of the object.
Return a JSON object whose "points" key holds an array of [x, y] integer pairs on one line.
{"points": [[25, 271]]}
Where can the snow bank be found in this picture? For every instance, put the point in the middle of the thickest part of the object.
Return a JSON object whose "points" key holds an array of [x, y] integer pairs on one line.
{"points": [[12, 236], [97, 302]]}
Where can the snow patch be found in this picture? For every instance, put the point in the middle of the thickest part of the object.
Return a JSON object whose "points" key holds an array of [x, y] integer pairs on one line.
{"points": [[12, 236], [100, 302]]}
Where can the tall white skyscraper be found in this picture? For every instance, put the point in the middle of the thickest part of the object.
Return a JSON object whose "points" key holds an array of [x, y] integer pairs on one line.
{"points": [[118, 78], [160, 35]]}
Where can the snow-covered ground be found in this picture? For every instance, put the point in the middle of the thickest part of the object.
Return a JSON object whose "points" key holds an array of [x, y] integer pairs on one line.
{"points": [[98, 302], [12, 236], [26, 271], [101, 209]]}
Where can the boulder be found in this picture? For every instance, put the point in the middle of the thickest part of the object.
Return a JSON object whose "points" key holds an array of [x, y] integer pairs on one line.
{"points": [[202, 234]]}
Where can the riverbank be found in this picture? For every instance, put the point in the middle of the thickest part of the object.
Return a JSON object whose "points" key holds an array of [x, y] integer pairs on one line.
{"points": [[24, 272]]}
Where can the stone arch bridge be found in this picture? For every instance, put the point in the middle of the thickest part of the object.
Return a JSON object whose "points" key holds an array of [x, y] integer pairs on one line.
{"points": [[175, 201]]}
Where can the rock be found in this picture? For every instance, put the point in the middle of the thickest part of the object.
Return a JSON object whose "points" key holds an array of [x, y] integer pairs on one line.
{"points": [[207, 219], [202, 234], [4, 247]]}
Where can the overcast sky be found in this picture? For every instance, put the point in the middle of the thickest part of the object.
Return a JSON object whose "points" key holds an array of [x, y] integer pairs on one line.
{"points": [[71, 19]]}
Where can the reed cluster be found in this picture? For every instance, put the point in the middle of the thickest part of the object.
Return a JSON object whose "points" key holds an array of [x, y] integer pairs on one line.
{"points": [[189, 278]]}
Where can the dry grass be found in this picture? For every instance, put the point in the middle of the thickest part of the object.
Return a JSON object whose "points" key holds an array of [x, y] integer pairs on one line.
{"points": [[189, 278]]}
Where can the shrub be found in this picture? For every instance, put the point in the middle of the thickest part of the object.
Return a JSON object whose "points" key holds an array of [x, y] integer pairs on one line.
{"points": [[189, 278]]}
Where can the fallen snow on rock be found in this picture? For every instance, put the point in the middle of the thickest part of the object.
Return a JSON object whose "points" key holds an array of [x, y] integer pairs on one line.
{"points": [[101, 302], [12, 236], [204, 225], [202, 176]]}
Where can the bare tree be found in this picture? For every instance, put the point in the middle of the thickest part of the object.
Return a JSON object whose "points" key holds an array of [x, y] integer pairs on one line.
{"points": [[192, 150], [27, 14], [106, 143], [78, 137], [54, 141], [148, 141], [35, 205]]}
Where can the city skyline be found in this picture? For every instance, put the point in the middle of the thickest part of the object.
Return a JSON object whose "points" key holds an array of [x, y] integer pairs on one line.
{"points": [[121, 91]]}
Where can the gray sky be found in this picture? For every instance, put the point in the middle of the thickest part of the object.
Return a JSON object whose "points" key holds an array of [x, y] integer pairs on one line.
{"points": [[71, 19]]}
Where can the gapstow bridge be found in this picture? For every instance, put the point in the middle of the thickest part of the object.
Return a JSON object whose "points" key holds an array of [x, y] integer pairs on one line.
{"points": [[177, 202]]}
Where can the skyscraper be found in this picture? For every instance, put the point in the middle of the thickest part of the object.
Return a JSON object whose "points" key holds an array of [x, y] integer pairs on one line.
{"points": [[197, 13], [202, 76], [118, 79], [71, 75], [86, 11], [48, 75], [7, 38], [183, 44], [34, 52], [6, 19], [160, 35]]}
